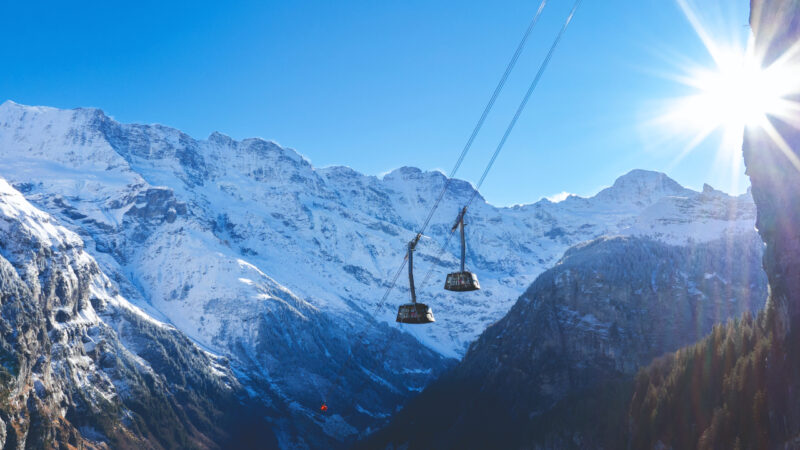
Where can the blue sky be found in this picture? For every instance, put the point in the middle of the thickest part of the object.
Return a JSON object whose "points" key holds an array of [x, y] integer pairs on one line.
{"points": [[379, 85]]}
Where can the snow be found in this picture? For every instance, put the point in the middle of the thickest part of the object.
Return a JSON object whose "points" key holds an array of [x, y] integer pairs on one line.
{"points": [[212, 236], [362, 410], [332, 238], [560, 197], [39, 225], [24, 231]]}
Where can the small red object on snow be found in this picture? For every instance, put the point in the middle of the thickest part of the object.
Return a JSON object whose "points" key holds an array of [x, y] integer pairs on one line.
{"points": [[323, 408]]}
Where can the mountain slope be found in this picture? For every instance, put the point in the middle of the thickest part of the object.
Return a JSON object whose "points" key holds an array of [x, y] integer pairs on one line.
{"points": [[81, 366], [607, 308], [736, 388], [258, 256], [343, 231]]}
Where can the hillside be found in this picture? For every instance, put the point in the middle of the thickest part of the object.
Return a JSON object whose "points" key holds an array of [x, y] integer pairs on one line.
{"points": [[575, 339]]}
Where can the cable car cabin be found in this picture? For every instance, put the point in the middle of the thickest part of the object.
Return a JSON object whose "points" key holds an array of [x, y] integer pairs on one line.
{"points": [[415, 313], [462, 282]]}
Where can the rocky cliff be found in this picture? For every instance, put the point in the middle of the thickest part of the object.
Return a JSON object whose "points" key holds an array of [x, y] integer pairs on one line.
{"points": [[607, 308], [84, 368]]}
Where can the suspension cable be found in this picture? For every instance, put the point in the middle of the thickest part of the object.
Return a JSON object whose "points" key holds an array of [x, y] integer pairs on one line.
{"points": [[485, 113], [520, 108], [500, 84]]}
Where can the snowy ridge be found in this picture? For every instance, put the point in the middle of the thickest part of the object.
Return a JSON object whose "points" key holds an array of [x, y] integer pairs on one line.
{"points": [[259, 256], [342, 232]]}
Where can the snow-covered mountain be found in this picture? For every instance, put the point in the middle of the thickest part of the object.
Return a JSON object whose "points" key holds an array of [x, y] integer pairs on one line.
{"points": [[81, 367], [258, 256], [572, 343]]}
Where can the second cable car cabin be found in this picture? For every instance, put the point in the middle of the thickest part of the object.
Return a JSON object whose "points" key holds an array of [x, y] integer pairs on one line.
{"points": [[462, 281], [414, 313]]}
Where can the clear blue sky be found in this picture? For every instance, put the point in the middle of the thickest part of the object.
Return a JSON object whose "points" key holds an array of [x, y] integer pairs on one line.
{"points": [[376, 85]]}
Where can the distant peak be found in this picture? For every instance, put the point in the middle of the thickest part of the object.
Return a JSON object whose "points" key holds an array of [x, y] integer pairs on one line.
{"points": [[342, 171], [639, 176], [11, 104], [220, 138], [642, 187], [408, 170], [267, 147], [560, 197], [709, 191], [649, 180], [18, 108], [402, 173]]}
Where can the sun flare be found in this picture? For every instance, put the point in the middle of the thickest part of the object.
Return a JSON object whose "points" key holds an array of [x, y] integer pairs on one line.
{"points": [[734, 94], [735, 91]]}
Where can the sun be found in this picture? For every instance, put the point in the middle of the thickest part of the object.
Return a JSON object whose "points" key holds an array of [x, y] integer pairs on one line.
{"points": [[734, 92], [732, 95]]}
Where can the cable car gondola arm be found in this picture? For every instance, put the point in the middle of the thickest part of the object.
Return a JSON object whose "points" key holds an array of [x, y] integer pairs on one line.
{"points": [[411, 246], [463, 244]]}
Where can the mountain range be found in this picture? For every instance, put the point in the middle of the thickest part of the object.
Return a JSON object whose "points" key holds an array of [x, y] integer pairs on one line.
{"points": [[273, 270]]}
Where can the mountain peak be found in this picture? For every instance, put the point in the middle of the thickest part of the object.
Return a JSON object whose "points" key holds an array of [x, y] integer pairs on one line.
{"points": [[10, 105], [642, 187], [403, 173], [641, 177], [220, 138]]}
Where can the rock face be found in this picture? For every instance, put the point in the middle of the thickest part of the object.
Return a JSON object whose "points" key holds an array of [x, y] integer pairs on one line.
{"points": [[260, 257], [607, 308], [81, 367], [773, 164]]}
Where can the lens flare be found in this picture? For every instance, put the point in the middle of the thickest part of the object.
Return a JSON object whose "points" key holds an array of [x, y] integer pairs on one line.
{"points": [[736, 91], [735, 94]]}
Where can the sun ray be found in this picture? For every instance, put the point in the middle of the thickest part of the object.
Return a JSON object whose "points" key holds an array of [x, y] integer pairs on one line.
{"points": [[710, 44], [781, 143], [732, 93]]}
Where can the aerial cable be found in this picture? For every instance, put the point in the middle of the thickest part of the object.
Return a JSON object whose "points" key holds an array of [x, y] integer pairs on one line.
{"points": [[525, 99], [470, 141], [485, 113], [520, 108], [501, 144], [460, 159]]}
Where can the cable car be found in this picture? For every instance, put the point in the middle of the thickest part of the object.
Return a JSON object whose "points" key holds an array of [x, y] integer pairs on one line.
{"points": [[462, 281], [414, 313]]}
